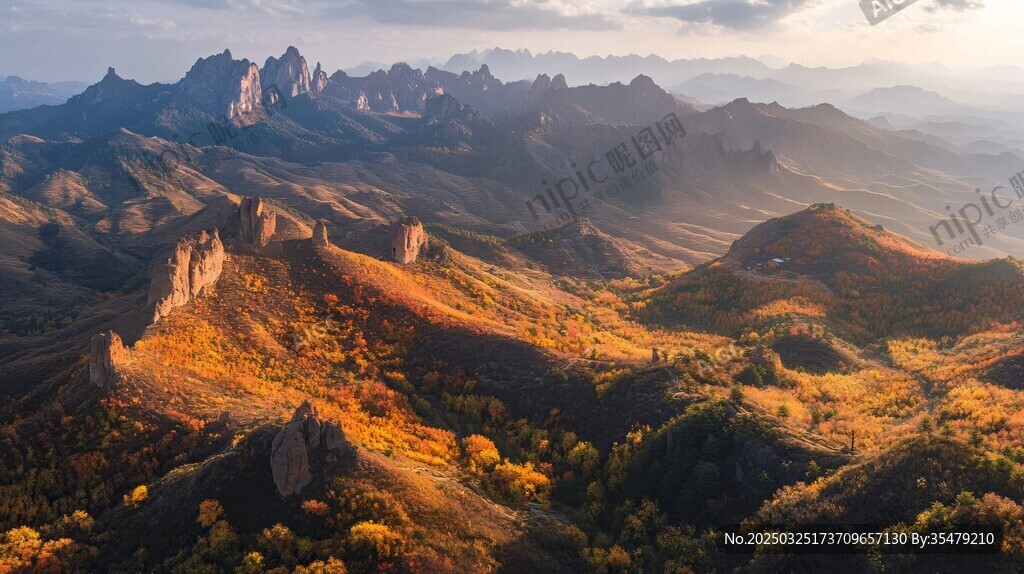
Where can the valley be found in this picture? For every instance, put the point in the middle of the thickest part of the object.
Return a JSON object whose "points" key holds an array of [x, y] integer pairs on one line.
{"points": [[338, 337]]}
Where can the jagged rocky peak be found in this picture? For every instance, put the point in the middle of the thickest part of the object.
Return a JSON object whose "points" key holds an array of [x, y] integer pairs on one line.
{"points": [[451, 123], [222, 85], [445, 106], [289, 73], [107, 354], [481, 78], [404, 72], [257, 225], [318, 82], [290, 452], [542, 83], [559, 83], [107, 89], [320, 234], [757, 158], [194, 265], [338, 77], [407, 239], [400, 89]]}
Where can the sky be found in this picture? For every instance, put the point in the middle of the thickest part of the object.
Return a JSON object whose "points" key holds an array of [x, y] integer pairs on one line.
{"points": [[159, 40]]}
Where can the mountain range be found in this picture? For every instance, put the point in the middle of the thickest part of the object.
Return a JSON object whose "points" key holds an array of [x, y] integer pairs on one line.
{"points": [[271, 318], [17, 93]]}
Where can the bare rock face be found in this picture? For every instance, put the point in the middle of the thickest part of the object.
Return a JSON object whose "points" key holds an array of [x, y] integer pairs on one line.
{"points": [[289, 460], [541, 84], [448, 107], [399, 89], [195, 264], [222, 85], [320, 234], [407, 239], [106, 355], [257, 225], [362, 102], [289, 73], [318, 82], [291, 449]]}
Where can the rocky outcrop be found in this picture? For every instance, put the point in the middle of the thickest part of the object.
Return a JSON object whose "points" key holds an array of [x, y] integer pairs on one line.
{"points": [[407, 239], [107, 354], [559, 83], [452, 124], [400, 89], [362, 103], [257, 225], [294, 444], [496, 100], [221, 85], [289, 73], [541, 84], [194, 265], [320, 234], [318, 81], [448, 107]]}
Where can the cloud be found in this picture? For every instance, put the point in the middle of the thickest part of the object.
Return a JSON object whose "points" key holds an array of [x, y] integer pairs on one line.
{"points": [[271, 7], [478, 14], [734, 14], [956, 5]]}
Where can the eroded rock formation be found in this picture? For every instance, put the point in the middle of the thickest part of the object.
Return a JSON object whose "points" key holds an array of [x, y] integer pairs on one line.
{"points": [[257, 224], [194, 265], [320, 234], [295, 442], [407, 239], [289, 73], [222, 85], [399, 89], [106, 355], [318, 81]]}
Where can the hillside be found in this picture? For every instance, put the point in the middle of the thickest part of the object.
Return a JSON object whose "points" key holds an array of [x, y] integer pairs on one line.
{"points": [[271, 319], [425, 363], [865, 281]]}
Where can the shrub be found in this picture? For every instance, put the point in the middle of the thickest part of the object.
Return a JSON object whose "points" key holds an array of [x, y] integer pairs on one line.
{"points": [[209, 511], [483, 456], [519, 483], [377, 540], [137, 496]]}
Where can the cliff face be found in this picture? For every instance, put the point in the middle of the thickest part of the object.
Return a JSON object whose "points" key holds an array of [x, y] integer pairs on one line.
{"points": [[289, 73], [222, 85], [106, 355], [291, 449], [318, 81], [257, 224], [399, 89], [407, 239], [195, 264]]}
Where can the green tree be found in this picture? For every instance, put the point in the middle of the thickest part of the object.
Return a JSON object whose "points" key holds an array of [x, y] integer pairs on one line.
{"points": [[737, 395], [927, 425]]}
